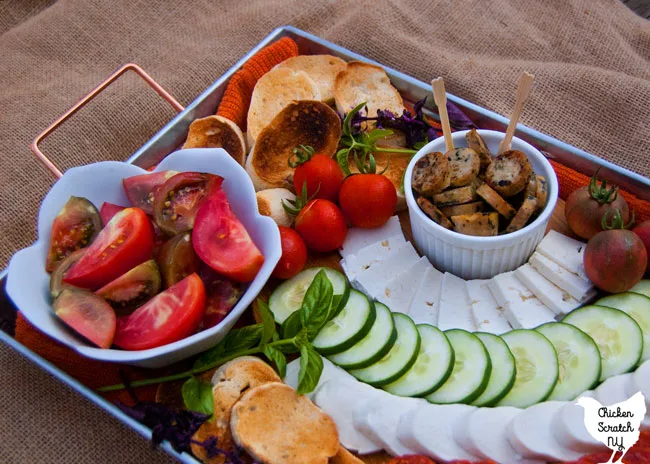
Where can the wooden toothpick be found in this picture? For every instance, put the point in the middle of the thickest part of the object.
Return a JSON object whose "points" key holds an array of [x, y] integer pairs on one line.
{"points": [[523, 90], [440, 97]]}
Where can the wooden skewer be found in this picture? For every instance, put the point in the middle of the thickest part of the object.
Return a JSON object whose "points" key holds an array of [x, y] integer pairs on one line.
{"points": [[523, 90], [440, 98]]}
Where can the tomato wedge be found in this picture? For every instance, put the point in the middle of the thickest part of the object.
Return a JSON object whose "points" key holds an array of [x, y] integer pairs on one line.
{"points": [[88, 314], [108, 210], [222, 294], [168, 317], [141, 190], [125, 242], [222, 241]]}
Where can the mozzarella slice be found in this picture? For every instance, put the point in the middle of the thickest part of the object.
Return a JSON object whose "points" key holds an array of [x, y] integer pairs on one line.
{"points": [[640, 381], [455, 311], [616, 389], [372, 280], [330, 371], [559, 301], [425, 304], [522, 309], [398, 293], [358, 238], [530, 434], [568, 428], [429, 430], [367, 256], [578, 287], [488, 315]]}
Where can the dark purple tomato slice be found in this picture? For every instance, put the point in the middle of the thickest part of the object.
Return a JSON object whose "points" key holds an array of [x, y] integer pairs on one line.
{"points": [[88, 314], [132, 289], [108, 210], [177, 259], [56, 278], [222, 294], [141, 190]]}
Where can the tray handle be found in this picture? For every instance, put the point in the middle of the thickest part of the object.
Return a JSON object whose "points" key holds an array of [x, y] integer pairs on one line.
{"points": [[87, 98]]}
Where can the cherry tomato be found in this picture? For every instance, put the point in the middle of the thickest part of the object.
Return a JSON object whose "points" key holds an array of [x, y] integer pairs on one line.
{"points": [[367, 200], [88, 314], [125, 242], [76, 225], [180, 197], [108, 210], [141, 190], [643, 231], [322, 175], [222, 294], [168, 317], [321, 225], [222, 241], [132, 289], [294, 254], [177, 259]]}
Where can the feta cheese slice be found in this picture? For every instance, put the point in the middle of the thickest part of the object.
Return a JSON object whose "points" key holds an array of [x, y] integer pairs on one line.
{"points": [[358, 238], [558, 300], [426, 302], [369, 255], [565, 251], [398, 293], [522, 309], [372, 280], [488, 315], [578, 287], [455, 311]]}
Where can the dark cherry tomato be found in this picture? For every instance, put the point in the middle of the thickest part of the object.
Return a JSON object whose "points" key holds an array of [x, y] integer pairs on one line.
{"points": [[222, 241], [294, 254], [168, 317], [180, 197], [320, 173], [222, 294], [367, 200], [56, 278], [643, 231], [177, 259], [108, 210], [125, 242], [88, 314], [141, 190], [321, 225], [132, 289], [76, 225]]}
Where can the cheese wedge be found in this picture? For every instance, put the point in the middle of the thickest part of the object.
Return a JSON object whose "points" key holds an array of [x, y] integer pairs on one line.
{"points": [[578, 287], [372, 281], [367, 256], [426, 302], [559, 301], [398, 292], [488, 315], [522, 309], [565, 251], [455, 309], [358, 238]]}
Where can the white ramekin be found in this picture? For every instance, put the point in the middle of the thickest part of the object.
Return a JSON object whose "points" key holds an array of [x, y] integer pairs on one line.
{"points": [[472, 257]]}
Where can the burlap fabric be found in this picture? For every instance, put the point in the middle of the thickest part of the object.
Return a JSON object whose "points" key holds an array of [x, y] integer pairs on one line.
{"points": [[590, 58]]}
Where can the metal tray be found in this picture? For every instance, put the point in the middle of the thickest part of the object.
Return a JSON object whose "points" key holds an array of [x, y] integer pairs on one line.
{"points": [[170, 137]]}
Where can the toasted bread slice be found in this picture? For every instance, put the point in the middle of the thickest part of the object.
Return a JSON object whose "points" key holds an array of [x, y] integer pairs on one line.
{"points": [[363, 82], [397, 164], [321, 68], [433, 212], [305, 122], [273, 92], [276, 425], [431, 174], [477, 224], [217, 132], [269, 203], [344, 457]]}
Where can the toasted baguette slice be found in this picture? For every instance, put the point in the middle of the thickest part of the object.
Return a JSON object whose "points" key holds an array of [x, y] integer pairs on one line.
{"points": [[464, 165], [456, 196], [305, 122], [397, 164], [433, 212], [269, 203], [477, 224], [321, 68], [495, 200], [431, 174], [344, 457], [273, 92], [509, 173], [362, 82], [476, 143], [458, 210], [217, 132], [274, 424]]}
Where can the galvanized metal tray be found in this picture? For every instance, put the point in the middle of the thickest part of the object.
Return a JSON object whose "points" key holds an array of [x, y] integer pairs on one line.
{"points": [[171, 137]]}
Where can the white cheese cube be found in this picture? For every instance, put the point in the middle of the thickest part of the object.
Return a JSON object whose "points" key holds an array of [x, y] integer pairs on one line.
{"points": [[369, 255], [455, 311], [372, 281], [426, 302], [558, 300], [398, 293], [578, 287], [522, 309], [565, 251], [488, 315], [358, 238]]}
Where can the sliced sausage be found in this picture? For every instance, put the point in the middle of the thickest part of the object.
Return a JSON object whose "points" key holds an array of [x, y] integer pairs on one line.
{"points": [[495, 200], [478, 224], [476, 143], [458, 210], [464, 166], [431, 174], [433, 212], [455, 196], [527, 209], [542, 192], [508, 174]]}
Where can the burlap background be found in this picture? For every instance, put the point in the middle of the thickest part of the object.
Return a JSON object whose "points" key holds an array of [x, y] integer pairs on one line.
{"points": [[590, 58]]}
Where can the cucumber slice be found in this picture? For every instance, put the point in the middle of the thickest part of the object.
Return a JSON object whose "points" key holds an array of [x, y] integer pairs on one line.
{"points": [[537, 368], [578, 358], [432, 367], [618, 336], [642, 288], [503, 374], [287, 298], [374, 346], [638, 307], [470, 373], [351, 325], [399, 359]]}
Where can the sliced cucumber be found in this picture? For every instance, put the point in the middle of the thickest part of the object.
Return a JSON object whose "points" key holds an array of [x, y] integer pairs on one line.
{"points": [[503, 374], [638, 307], [470, 373], [578, 357], [618, 336], [537, 368], [432, 367], [399, 359], [287, 298], [348, 327], [374, 346], [642, 288]]}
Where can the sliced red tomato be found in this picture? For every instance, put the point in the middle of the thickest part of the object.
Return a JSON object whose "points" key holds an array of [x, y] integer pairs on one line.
{"points": [[125, 242], [141, 190], [222, 241], [222, 294], [108, 210], [168, 317]]}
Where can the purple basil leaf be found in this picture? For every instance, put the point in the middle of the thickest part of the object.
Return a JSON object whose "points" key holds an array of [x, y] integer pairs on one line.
{"points": [[457, 119]]}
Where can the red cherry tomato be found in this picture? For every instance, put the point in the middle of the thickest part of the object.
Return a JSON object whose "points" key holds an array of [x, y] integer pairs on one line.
{"points": [[222, 241], [322, 175], [141, 190], [294, 254], [168, 317], [643, 231], [108, 210], [367, 200], [321, 225], [125, 242]]}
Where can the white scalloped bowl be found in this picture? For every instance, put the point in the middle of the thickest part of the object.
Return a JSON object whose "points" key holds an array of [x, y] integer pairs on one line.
{"points": [[28, 282], [472, 257]]}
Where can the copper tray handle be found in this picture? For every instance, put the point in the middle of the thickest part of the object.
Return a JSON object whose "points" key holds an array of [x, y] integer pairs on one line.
{"points": [[92, 94]]}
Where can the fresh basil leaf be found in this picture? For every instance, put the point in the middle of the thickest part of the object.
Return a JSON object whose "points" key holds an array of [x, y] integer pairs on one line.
{"points": [[292, 325], [347, 122], [377, 134], [197, 396], [342, 159], [278, 358], [316, 304], [236, 340], [311, 367], [268, 322]]}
